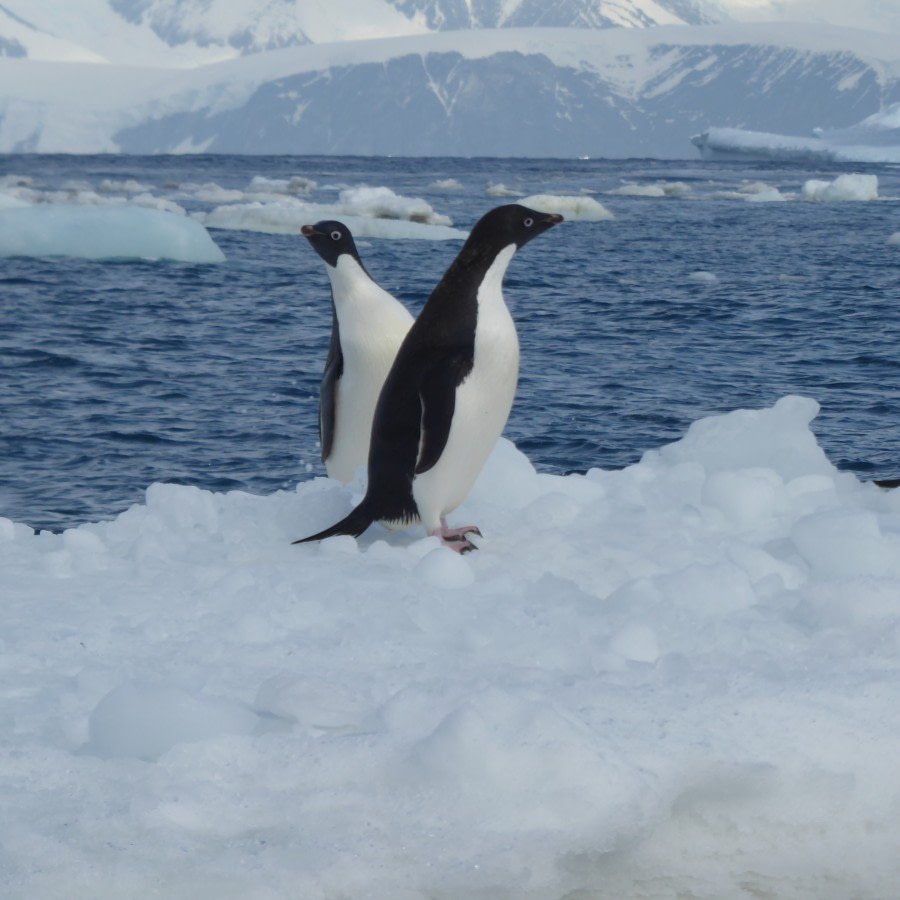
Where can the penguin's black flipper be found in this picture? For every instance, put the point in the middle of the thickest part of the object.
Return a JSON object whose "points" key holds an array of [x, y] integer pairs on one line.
{"points": [[438, 398], [334, 368], [353, 524]]}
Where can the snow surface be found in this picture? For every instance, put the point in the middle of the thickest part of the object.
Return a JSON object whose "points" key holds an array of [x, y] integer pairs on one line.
{"points": [[678, 679], [104, 232]]}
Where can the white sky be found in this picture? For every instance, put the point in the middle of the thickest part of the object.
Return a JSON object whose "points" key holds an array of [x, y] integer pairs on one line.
{"points": [[877, 15]]}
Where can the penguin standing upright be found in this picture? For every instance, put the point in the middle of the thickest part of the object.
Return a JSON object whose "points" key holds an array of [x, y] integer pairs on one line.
{"points": [[368, 325], [449, 392]]}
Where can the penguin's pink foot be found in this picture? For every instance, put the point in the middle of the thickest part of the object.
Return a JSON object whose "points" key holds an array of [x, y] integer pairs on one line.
{"points": [[455, 538], [460, 545], [456, 534]]}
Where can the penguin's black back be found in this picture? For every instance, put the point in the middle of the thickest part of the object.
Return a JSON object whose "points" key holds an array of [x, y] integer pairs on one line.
{"points": [[433, 360]]}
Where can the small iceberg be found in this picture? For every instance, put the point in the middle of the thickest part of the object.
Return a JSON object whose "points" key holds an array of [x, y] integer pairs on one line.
{"points": [[876, 139], [104, 232]]}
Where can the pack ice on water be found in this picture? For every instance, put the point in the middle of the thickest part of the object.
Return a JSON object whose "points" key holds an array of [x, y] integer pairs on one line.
{"points": [[675, 679]]}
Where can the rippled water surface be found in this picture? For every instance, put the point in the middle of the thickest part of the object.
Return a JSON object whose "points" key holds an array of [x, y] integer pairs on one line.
{"points": [[121, 373]]}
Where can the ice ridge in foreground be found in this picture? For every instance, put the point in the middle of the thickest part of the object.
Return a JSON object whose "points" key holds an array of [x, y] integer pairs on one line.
{"points": [[675, 679]]}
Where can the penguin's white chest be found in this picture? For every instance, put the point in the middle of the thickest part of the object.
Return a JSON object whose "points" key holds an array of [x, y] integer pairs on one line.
{"points": [[483, 403], [372, 325]]}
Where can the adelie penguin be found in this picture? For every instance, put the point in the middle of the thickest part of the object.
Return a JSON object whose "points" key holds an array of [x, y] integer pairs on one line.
{"points": [[368, 325], [449, 392]]}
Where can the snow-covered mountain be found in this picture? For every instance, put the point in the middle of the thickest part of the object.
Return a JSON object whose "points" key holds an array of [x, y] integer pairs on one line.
{"points": [[183, 32], [455, 14], [254, 26], [422, 77]]}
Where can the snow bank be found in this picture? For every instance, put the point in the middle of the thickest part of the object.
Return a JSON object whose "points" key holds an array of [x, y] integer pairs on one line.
{"points": [[848, 187], [104, 232], [575, 208], [675, 679]]}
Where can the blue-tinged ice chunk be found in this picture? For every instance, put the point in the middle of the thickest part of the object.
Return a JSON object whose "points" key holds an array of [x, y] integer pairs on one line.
{"points": [[104, 232]]}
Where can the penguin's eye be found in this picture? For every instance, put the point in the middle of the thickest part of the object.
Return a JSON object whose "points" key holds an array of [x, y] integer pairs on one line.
{"points": [[528, 222], [336, 235]]}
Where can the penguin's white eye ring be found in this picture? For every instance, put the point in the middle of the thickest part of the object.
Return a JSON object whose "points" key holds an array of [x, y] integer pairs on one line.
{"points": [[336, 235], [528, 222]]}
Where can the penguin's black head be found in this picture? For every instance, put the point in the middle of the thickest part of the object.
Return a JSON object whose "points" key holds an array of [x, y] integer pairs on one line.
{"points": [[330, 240], [512, 224]]}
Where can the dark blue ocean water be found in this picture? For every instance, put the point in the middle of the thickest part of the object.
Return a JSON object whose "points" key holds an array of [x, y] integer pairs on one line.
{"points": [[117, 374]]}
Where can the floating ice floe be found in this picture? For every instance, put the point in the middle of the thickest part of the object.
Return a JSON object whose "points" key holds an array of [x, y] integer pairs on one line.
{"points": [[771, 196], [367, 211], [11, 200], [752, 192], [894, 238], [277, 218], [19, 192], [876, 139], [122, 186], [703, 277], [659, 189], [677, 679], [210, 192], [295, 185], [498, 189], [383, 203], [104, 232], [847, 187], [446, 184], [576, 208]]}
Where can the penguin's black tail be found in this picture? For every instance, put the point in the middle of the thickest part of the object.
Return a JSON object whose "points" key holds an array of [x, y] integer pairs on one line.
{"points": [[353, 524]]}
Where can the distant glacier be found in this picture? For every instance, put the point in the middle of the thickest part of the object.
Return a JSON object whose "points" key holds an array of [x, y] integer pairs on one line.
{"points": [[876, 139], [530, 92]]}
